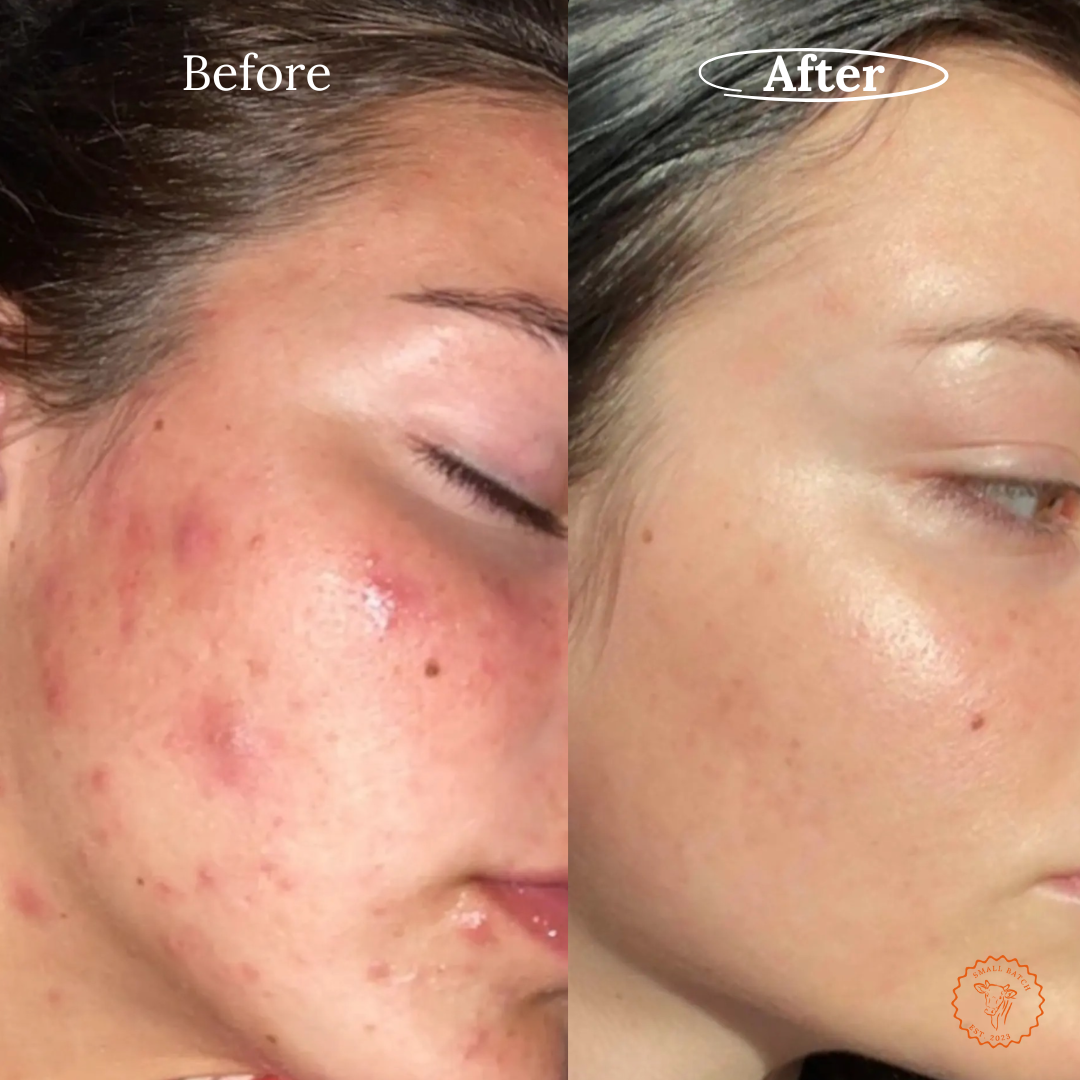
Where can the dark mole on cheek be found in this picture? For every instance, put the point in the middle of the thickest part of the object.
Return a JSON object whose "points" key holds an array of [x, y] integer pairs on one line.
{"points": [[159, 424], [432, 669], [647, 536], [978, 721]]}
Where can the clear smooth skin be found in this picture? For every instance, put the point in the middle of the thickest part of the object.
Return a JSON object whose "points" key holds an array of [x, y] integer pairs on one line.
{"points": [[826, 753], [278, 693]]}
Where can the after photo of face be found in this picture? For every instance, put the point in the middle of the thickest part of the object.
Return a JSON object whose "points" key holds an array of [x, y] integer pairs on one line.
{"points": [[825, 543], [283, 529]]}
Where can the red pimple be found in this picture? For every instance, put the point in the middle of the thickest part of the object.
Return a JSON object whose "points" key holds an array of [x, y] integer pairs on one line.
{"points": [[30, 903], [54, 685], [196, 536], [221, 740], [55, 997], [250, 974], [385, 596], [478, 1044], [164, 891], [206, 878], [100, 780], [378, 971]]}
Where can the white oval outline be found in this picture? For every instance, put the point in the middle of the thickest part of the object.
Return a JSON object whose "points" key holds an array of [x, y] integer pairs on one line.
{"points": [[732, 92]]}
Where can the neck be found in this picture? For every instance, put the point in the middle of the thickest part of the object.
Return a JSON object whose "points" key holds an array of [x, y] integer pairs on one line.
{"points": [[628, 1024]]}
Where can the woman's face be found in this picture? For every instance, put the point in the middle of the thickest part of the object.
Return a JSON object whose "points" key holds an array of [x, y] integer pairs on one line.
{"points": [[279, 693], [826, 751]]}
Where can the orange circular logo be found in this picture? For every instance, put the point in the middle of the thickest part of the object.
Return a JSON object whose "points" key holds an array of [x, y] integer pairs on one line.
{"points": [[998, 1001]]}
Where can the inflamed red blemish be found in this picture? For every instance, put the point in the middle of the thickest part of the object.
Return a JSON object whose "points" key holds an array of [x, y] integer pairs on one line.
{"points": [[220, 739], [30, 903], [385, 597], [196, 537]]}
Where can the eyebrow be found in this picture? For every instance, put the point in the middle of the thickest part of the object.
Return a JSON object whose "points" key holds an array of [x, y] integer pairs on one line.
{"points": [[1029, 328], [522, 311]]}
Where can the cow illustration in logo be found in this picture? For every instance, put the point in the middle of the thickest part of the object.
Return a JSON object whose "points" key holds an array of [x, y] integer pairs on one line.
{"points": [[998, 1001]]}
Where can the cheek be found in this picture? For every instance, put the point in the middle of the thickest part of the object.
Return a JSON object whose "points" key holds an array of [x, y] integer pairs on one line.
{"points": [[275, 660]]}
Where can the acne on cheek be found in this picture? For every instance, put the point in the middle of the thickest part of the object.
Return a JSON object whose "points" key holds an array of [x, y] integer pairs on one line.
{"points": [[29, 901], [229, 751]]}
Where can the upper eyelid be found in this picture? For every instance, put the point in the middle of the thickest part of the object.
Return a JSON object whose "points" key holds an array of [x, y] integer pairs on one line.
{"points": [[495, 491]]}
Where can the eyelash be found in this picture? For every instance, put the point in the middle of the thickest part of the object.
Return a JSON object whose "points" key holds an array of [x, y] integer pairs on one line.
{"points": [[491, 492], [966, 491]]}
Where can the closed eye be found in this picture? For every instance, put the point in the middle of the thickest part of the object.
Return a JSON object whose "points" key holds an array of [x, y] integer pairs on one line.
{"points": [[492, 493]]}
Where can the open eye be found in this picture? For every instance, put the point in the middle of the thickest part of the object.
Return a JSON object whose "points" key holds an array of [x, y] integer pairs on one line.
{"points": [[1034, 507], [491, 492]]}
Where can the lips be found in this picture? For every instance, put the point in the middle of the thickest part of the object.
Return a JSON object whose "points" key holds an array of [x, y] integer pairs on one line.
{"points": [[539, 907], [1069, 884]]}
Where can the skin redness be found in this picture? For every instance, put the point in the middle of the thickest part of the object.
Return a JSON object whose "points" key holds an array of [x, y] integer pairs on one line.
{"points": [[285, 673]]}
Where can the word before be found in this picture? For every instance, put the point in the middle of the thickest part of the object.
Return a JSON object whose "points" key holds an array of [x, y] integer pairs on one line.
{"points": [[844, 77], [197, 65]]}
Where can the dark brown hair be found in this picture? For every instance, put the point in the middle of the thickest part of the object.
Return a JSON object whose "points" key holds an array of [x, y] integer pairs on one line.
{"points": [[117, 183]]}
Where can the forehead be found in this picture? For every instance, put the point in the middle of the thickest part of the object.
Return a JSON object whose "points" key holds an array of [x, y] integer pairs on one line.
{"points": [[968, 187], [467, 195], [935, 207], [493, 172]]}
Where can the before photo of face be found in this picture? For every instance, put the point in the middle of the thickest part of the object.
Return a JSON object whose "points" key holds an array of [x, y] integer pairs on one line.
{"points": [[283, 689], [825, 502]]}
